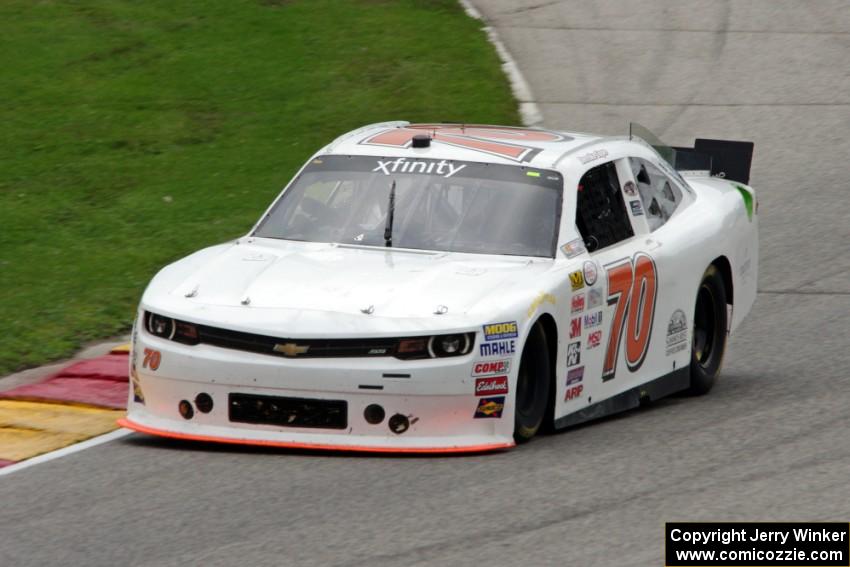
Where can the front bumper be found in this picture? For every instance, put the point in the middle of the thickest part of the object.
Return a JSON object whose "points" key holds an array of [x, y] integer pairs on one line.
{"points": [[437, 398]]}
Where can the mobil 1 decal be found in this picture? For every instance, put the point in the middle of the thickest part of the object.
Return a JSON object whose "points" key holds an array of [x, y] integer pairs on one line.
{"points": [[632, 292]]}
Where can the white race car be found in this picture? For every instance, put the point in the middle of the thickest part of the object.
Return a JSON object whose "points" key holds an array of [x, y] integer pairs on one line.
{"points": [[440, 288]]}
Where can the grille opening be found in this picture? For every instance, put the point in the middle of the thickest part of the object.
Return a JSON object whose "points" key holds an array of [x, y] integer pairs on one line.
{"points": [[288, 412]]}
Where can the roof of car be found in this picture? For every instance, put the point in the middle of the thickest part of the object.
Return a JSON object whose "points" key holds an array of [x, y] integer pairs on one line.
{"points": [[467, 142]]}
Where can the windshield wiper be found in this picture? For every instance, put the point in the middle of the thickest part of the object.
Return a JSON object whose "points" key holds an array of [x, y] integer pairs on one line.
{"points": [[388, 229]]}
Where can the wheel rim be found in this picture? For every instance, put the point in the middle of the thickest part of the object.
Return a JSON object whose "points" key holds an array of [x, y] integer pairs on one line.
{"points": [[705, 327]]}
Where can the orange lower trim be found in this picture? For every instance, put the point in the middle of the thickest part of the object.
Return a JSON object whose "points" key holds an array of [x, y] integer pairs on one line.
{"points": [[124, 422]]}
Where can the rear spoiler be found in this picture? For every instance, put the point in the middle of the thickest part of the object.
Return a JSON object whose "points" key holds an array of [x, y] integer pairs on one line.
{"points": [[721, 158]]}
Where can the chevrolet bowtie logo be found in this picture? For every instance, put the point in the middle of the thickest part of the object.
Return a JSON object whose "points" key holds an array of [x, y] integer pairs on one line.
{"points": [[290, 349]]}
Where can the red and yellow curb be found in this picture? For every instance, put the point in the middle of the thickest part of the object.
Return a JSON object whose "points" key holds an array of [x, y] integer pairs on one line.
{"points": [[81, 401]]}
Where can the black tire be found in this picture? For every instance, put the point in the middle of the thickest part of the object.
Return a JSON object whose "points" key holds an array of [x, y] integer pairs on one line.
{"points": [[708, 343], [532, 390]]}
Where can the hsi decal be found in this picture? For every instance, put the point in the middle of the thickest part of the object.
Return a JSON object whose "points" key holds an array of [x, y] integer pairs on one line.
{"points": [[593, 339], [577, 303], [500, 331], [677, 332], [575, 327], [574, 353], [577, 280], [632, 290], [593, 319], [575, 375], [442, 168], [491, 368], [637, 208], [490, 386], [498, 348], [490, 407], [573, 392], [590, 272]]}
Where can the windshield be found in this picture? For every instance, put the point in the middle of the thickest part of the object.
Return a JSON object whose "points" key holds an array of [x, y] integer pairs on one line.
{"points": [[452, 206]]}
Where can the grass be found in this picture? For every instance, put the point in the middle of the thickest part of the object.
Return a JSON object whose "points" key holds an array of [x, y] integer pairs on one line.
{"points": [[136, 132]]}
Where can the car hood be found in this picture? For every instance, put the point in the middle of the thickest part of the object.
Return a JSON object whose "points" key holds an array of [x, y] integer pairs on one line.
{"points": [[263, 274]]}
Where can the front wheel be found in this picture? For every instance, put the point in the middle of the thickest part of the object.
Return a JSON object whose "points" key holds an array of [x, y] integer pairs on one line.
{"points": [[532, 390], [709, 333]]}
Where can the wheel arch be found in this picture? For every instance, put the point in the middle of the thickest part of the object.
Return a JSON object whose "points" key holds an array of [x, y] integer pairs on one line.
{"points": [[550, 330], [725, 269]]}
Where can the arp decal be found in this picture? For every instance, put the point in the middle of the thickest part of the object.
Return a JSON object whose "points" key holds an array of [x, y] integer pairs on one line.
{"points": [[490, 386], [594, 339], [577, 304], [637, 208], [575, 375], [590, 272], [577, 280], [501, 142], [152, 359], [573, 392], [575, 327], [593, 319], [632, 290], [490, 407], [491, 368], [498, 348], [677, 332], [500, 331], [574, 353]]}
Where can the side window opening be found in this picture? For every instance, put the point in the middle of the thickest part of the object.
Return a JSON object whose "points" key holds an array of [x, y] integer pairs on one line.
{"points": [[601, 212], [659, 195]]}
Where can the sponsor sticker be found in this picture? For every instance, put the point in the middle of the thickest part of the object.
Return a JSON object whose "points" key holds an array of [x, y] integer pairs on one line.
{"points": [[498, 348], [574, 353], [594, 339], [499, 331], [575, 375], [637, 208], [629, 189], [573, 392], [590, 272], [490, 407], [491, 367], [490, 386], [574, 248], [593, 319], [594, 298], [442, 168], [593, 156], [152, 359], [577, 305], [575, 327], [138, 395], [677, 332], [577, 280]]}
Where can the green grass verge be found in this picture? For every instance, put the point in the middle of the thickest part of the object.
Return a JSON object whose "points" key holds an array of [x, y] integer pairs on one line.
{"points": [[136, 132]]}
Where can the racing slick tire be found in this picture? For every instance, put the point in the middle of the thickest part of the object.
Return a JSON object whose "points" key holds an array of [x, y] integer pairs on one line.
{"points": [[533, 384], [709, 332]]}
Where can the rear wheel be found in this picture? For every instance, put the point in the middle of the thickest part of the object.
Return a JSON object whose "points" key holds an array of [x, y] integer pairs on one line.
{"points": [[709, 333], [532, 390]]}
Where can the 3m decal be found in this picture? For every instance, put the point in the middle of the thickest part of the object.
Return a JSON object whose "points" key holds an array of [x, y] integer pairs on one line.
{"points": [[637, 208], [573, 392], [594, 298], [629, 189], [574, 248], [593, 319], [677, 332], [490, 407], [501, 142], [491, 368], [590, 272], [499, 331], [577, 304], [575, 375], [594, 339], [577, 280], [574, 353], [498, 348], [632, 290], [490, 386], [152, 359], [575, 327]]}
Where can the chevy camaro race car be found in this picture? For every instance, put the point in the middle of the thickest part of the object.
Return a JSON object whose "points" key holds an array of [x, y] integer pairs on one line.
{"points": [[439, 288]]}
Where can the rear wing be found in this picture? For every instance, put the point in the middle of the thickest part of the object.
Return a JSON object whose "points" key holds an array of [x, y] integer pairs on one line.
{"points": [[721, 158]]}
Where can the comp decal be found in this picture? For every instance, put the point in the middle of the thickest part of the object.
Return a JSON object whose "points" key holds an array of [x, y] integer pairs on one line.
{"points": [[492, 385], [490, 407], [502, 142], [491, 367], [632, 290]]}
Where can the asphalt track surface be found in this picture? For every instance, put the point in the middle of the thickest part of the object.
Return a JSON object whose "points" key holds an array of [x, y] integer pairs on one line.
{"points": [[769, 443]]}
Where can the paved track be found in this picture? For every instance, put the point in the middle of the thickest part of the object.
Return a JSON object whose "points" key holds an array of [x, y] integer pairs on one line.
{"points": [[769, 443]]}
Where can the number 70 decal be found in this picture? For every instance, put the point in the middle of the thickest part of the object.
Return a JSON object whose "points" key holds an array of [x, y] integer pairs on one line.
{"points": [[632, 290]]}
